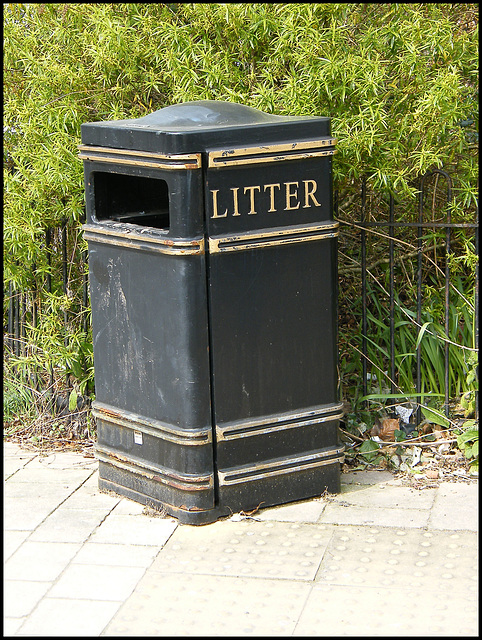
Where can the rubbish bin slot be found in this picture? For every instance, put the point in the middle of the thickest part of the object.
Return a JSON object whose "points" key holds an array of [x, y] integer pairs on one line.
{"points": [[133, 199]]}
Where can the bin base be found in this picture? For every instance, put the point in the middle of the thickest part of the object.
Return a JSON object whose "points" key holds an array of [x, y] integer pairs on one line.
{"points": [[244, 496], [182, 515]]}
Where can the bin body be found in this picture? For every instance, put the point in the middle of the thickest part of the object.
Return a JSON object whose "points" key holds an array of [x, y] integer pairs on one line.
{"points": [[212, 262]]}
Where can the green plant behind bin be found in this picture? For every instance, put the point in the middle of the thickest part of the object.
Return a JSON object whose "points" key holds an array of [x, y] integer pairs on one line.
{"points": [[468, 442]]}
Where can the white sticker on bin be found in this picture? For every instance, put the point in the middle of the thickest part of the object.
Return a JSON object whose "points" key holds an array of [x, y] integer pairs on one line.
{"points": [[137, 437]]}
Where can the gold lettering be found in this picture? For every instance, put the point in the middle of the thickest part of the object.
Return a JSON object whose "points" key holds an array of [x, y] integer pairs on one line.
{"points": [[271, 188], [290, 195], [235, 200], [215, 205], [310, 194], [251, 198]]}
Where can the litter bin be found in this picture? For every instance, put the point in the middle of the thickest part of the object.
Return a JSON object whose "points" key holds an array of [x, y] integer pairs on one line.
{"points": [[213, 283]]}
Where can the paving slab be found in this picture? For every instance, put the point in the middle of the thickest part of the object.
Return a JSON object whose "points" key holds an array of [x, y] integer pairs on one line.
{"points": [[335, 610], [37, 475], [350, 514], [96, 582], [26, 513], [40, 561], [303, 511], [135, 529], [12, 541], [405, 558], [366, 477], [116, 555], [15, 459], [69, 525], [246, 548], [21, 596], [206, 605], [381, 504], [61, 617], [385, 497], [456, 507]]}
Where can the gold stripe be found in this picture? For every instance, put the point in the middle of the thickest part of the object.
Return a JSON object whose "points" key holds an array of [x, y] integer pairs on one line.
{"points": [[240, 428], [279, 158], [224, 157], [144, 158], [152, 427], [134, 163], [247, 432], [269, 469], [152, 472], [287, 235], [146, 154], [135, 240]]}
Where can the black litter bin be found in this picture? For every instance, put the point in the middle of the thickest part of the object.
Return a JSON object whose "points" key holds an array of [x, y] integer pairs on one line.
{"points": [[212, 259]]}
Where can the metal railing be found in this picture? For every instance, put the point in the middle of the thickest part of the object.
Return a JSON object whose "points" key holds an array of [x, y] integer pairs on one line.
{"points": [[392, 232]]}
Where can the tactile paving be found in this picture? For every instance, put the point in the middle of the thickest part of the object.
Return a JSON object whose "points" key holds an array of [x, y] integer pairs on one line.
{"points": [[414, 559], [247, 548], [336, 610], [194, 605]]}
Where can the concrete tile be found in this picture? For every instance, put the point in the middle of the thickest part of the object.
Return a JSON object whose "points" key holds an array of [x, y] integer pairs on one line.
{"points": [[40, 561], [246, 549], [11, 464], [366, 477], [386, 497], [12, 449], [116, 555], [376, 612], [38, 475], [402, 558], [91, 582], [381, 517], [12, 541], [88, 496], [306, 511], [69, 525], [135, 529], [126, 507], [456, 507], [193, 605], [11, 626], [21, 596], [61, 617], [54, 489], [67, 460], [25, 514]]}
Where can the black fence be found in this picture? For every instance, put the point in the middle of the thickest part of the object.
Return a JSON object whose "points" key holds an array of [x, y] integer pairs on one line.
{"points": [[65, 271], [436, 190]]}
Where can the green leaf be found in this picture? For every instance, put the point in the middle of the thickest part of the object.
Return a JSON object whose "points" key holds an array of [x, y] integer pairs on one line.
{"points": [[368, 450], [421, 332], [73, 400], [436, 417]]}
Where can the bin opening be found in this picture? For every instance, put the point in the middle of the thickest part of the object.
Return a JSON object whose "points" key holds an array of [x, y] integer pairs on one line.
{"points": [[134, 199]]}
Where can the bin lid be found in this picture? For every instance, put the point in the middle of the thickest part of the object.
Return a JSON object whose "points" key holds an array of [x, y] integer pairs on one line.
{"points": [[192, 127]]}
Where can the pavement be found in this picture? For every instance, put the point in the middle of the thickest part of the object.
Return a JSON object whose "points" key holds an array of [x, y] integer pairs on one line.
{"points": [[380, 559]]}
